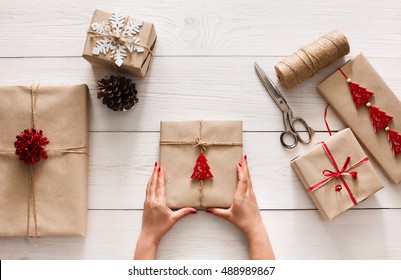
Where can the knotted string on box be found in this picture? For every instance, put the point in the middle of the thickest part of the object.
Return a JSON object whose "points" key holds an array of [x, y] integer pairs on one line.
{"points": [[337, 173], [198, 142], [120, 39], [54, 151]]}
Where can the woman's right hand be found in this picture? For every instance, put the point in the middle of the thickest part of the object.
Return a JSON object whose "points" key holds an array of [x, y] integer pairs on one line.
{"points": [[244, 213]]}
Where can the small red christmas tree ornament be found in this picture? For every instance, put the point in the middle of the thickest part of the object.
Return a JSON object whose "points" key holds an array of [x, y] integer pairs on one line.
{"points": [[379, 118], [359, 94], [30, 145], [395, 140], [201, 168]]}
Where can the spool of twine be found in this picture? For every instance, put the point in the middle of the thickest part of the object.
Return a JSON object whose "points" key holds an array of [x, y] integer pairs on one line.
{"points": [[308, 60]]}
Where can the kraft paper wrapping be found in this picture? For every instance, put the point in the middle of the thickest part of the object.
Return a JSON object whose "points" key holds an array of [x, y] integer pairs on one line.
{"points": [[309, 168], [179, 160], [135, 63], [61, 181], [337, 93]]}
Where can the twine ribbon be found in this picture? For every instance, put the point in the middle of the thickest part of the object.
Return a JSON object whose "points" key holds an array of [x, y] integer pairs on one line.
{"points": [[55, 151], [198, 142], [309, 59], [339, 173], [7, 152], [119, 38]]}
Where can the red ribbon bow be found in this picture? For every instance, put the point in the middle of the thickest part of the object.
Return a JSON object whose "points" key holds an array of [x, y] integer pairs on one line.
{"points": [[339, 173]]}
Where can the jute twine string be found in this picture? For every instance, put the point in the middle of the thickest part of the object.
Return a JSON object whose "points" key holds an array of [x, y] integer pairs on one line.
{"points": [[119, 38], [55, 151], [198, 142], [7, 152], [308, 60], [202, 148]]}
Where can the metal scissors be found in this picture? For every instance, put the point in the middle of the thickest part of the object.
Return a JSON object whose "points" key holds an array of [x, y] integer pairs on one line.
{"points": [[288, 118]]}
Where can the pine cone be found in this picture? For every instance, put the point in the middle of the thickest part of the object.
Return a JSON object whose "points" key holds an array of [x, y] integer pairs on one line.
{"points": [[118, 92]]}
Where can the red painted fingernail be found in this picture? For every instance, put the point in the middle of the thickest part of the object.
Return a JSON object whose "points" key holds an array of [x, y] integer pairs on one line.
{"points": [[194, 212], [159, 169], [245, 157], [240, 165], [208, 210], [156, 163]]}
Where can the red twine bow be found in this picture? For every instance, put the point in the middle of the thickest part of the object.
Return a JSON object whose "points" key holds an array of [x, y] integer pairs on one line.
{"points": [[339, 173]]}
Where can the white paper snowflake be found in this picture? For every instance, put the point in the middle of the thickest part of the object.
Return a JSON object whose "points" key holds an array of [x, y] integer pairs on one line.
{"points": [[118, 37]]}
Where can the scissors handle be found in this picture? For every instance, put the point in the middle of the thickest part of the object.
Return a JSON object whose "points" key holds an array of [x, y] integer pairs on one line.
{"points": [[289, 134], [309, 130]]}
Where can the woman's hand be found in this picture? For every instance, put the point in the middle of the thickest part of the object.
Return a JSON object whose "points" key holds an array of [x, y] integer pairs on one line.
{"points": [[157, 218], [244, 213]]}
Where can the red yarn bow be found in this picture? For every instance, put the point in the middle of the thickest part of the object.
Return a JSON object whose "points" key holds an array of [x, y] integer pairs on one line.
{"points": [[30, 146], [339, 173], [342, 172]]}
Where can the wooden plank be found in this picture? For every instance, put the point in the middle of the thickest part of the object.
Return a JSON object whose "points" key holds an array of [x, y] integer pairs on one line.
{"points": [[121, 163], [193, 88], [203, 69], [246, 28], [358, 234]]}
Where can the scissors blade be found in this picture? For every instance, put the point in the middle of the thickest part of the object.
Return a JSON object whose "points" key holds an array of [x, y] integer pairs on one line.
{"points": [[271, 89]]}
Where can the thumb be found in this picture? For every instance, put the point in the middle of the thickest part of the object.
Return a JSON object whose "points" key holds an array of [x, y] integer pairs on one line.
{"points": [[223, 213], [181, 213]]}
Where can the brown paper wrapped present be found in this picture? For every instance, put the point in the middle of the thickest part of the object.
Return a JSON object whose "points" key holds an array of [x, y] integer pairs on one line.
{"points": [[181, 142], [337, 174], [48, 198], [336, 91], [120, 42]]}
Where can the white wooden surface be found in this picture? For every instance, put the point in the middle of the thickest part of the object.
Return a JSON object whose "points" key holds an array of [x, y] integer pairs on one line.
{"points": [[203, 69]]}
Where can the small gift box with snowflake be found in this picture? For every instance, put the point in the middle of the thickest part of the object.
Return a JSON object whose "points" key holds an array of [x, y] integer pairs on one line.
{"points": [[120, 42]]}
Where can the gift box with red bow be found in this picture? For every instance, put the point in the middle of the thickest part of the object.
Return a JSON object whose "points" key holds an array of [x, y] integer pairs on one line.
{"points": [[44, 160], [337, 174]]}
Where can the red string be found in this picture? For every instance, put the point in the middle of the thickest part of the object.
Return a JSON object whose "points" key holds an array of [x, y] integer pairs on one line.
{"points": [[339, 173], [331, 157], [342, 72], [327, 107], [325, 119], [351, 195]]}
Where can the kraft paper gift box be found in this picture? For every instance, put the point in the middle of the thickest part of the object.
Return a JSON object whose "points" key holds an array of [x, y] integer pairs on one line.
{"points": [[180, 146], [49, 199], [128, 37], [331, 192], [336, 91]]}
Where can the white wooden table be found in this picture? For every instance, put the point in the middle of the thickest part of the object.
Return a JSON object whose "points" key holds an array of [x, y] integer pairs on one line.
{"points": [[203, 69]]}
